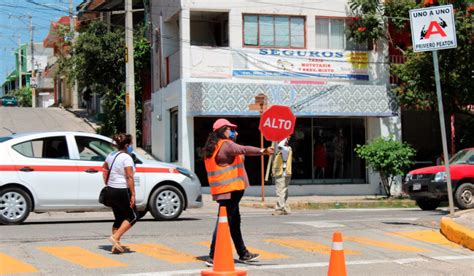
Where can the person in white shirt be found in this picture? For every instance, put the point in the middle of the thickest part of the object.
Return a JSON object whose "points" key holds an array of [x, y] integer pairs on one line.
{"points": [[118, 175], [281, 172]]}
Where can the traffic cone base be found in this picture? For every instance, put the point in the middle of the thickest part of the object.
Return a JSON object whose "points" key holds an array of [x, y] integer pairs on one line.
{"points": [[337, 262], [236, 272], [223, 260]]}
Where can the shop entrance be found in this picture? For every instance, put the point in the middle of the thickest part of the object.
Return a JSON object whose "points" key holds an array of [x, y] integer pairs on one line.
{"points": [[323, 149]]}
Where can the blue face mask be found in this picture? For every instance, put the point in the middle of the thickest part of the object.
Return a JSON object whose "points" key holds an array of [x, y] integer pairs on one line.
{"points": [[129, 149], [232, 134]]}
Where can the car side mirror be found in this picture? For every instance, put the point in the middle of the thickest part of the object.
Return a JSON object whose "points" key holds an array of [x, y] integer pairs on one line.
{"points": [[135, 159]]}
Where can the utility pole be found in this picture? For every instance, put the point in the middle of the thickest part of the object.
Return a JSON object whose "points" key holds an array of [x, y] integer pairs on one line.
{"points": [[20, 84], [130, 74], [72, 34], [33, 90]]}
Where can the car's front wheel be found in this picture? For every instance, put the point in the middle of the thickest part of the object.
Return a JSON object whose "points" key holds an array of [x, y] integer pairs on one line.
{"points": [[15, 205], [166, 203], [428, 204], [464, 196]]}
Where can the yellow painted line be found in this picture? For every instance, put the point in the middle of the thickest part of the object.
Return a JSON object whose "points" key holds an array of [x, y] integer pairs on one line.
{"points": [[82, 257], [383, 244], [264, 255], [429, 236], [309, 246], [164, 253], [9, 265]]}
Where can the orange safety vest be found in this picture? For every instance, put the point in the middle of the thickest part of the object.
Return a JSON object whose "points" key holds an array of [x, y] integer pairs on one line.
{"points": [[224, 179]]}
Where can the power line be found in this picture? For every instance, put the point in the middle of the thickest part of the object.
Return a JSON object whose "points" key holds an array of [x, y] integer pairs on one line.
{"points": [[46, 6]]}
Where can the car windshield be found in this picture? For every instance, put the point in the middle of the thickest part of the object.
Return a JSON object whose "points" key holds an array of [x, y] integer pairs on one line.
{"points": [[5, 138], [8, 97], [463, 157]]}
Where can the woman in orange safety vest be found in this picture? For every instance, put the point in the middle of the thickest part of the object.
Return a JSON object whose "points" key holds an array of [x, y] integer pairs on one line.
{"points": [[228, 179]]}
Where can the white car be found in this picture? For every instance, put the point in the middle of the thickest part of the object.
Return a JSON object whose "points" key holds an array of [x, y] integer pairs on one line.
{"points": [[62, 171]]}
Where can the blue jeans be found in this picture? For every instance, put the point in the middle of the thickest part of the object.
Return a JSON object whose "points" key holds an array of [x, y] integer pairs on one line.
{"points": [[233, 217]]}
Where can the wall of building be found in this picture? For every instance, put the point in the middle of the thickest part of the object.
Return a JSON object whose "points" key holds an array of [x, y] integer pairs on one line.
{"points": [[199, 64]]}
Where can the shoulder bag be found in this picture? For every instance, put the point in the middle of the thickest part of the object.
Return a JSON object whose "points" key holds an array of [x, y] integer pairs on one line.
{"points": [[103, 192]]}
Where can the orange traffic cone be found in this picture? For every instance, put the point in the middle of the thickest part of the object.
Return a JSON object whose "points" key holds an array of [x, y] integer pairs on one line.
{"points": [[223, 259], [337, 263]]}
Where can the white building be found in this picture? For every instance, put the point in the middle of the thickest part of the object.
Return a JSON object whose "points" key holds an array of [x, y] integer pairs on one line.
{"points": [[211, 58]]}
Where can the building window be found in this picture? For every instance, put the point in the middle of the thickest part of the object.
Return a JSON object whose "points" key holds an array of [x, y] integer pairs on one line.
{"points": [[331, 34], [274, 31], [174, 134], [209, 29]]}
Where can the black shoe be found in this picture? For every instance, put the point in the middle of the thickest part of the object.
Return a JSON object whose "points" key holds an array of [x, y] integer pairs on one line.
{"points": [[249, 257], [209, 261]]}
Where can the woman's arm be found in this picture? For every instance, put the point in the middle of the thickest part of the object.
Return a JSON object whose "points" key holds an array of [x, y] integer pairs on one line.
{"points": [[130, 184], [105, 171], [234, 149]]}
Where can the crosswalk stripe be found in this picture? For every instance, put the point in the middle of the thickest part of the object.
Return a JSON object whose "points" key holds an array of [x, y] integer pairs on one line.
{"points": [[264, 255], [309, 246], [9, 265], [383, 244], [429, 236], [80, 256], [162, 252]]}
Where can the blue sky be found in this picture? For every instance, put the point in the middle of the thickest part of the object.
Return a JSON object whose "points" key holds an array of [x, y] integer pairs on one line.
{"points": [[11, 25]]}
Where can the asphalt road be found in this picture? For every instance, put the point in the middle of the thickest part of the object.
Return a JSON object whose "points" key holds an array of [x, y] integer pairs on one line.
{"points": [[376, 242], [26, 119]]}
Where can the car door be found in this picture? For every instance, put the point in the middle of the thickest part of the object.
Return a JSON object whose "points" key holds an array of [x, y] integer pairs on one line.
{"points": [[44, 164], [91, 154]]}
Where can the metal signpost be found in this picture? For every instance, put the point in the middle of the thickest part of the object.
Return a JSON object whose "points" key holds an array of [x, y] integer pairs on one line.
{"points": [[434, 29]]}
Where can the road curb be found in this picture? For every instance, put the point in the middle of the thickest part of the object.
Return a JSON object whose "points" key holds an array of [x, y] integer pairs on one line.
{"points": [[457, 233], [306, 205]]}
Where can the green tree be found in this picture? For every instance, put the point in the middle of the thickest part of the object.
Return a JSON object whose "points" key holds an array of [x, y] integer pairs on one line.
{"points": [[374, 20], [98, 63], [388, 157], [23, 96], [417, 86], [371, 19], [416, 90]]}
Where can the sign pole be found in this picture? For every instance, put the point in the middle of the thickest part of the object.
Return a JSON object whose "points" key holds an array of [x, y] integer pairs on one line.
{"points": [[443, 132], [262, 161], [270, 160], [434, 29]]}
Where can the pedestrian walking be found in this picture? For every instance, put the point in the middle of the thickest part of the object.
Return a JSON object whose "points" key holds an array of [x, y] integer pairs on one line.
{"points": [[228, 180], [281, 172], [118, 176]]}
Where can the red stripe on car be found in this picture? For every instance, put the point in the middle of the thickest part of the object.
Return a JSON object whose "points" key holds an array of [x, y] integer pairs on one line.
{"points": [[52, 168]]}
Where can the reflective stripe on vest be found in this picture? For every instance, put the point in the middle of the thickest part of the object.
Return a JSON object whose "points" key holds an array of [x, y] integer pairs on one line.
{"points": [[229, 168], [224, 179], [226, 182]]}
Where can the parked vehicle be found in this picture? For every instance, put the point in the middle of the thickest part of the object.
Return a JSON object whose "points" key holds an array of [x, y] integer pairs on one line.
{"points": [[428, 185], [9, 101], [62, 171]]}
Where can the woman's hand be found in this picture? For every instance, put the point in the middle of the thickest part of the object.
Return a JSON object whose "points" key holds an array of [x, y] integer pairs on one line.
{"points": [[268, 151], [132, 201]]}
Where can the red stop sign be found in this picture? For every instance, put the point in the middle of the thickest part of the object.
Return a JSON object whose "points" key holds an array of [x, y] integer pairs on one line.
{"points": [[277, 123]]}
